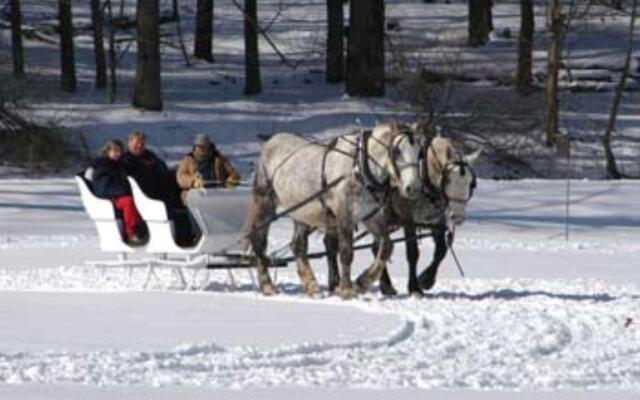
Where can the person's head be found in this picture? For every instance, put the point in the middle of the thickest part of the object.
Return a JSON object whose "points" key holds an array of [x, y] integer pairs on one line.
{"points": [[112, 149], [136, 143], [201, 145]]}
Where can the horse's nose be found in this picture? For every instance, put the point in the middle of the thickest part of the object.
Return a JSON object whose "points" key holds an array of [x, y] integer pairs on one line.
{"points": [[410, 190]]}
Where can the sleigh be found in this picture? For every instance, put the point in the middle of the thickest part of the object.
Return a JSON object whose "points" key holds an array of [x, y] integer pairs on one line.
{"points": [[217, 213]]}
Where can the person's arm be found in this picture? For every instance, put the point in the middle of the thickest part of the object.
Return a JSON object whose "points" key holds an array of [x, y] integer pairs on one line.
{"points": [[106, 183], [185, 175], [232, 176]]}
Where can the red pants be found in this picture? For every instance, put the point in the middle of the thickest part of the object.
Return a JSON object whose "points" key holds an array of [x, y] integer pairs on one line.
{"points": [[129, 213]]}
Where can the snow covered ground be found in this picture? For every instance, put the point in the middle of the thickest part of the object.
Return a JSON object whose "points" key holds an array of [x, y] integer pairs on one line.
{"points": [[536, 314]]}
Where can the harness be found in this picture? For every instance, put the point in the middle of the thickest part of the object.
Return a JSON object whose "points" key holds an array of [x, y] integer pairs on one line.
{"points": [[380, 191], [446, 169]]}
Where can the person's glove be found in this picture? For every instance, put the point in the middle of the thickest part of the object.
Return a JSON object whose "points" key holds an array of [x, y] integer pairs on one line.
{"points": [[198, 182], [232, 182]]}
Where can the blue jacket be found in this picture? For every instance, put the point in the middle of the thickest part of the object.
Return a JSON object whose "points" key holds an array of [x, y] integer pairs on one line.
{"points": [[109, 178]]}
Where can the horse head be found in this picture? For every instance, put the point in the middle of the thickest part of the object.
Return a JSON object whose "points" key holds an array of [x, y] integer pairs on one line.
{"points": [[395, 150], [452, 174]]}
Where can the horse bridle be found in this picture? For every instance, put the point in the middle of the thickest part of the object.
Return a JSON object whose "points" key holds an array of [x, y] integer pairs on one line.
{"points": [[446, 169], [392, 152], [464, 166]]}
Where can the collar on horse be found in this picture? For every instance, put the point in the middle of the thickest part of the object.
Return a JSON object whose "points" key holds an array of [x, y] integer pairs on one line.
{"points": [[363, 168]]}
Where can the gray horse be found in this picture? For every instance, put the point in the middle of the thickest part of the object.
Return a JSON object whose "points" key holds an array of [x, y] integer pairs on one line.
{"points": [[350, 175], [449, 181]]}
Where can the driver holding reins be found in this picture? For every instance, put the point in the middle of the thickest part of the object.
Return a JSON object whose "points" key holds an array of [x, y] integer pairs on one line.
{"points": [[204, 167]]}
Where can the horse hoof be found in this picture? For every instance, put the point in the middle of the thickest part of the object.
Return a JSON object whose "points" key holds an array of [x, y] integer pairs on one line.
{"points": [[362, 285], [268, 290], [416, 293], [347, 293], [388, 291], [312, 290], [427, 284]]}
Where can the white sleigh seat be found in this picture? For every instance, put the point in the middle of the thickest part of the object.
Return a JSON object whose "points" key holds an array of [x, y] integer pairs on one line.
{"points": [[220, 226], [108, 223], [160, 226]]}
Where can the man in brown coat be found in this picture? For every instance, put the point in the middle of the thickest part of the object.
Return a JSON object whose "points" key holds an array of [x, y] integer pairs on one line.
{"points": [[204, 167]]}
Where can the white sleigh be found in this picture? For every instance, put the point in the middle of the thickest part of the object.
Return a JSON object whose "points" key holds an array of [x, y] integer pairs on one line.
{"points": [[218, 213]]}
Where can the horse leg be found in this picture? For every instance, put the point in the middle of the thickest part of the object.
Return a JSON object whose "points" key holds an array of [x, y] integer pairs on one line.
{"points": [[374, 272], [428, 277], [413, 253], [299, 247], [345, 247], [260, 211], [386, 286], [331, 246]]}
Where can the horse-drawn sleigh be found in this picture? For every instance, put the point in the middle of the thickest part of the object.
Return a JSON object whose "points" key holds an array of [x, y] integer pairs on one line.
{"points": [[384, 179]]}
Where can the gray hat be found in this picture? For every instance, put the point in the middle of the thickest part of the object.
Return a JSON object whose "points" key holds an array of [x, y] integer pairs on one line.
{"points": [[202, 139]]}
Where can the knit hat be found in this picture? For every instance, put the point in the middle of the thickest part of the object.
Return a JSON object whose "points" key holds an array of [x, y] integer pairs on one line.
{"points": [[202, 139]]}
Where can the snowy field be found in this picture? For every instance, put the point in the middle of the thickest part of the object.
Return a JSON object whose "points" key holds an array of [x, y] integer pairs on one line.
{"points": [[535, 314]]}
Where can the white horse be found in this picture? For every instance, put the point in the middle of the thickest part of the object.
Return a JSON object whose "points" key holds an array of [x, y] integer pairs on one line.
{"points": [[449, 181], [353, 176]]}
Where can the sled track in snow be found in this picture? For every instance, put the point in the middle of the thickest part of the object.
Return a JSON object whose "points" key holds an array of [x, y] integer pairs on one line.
{"points": [[481, 334]]}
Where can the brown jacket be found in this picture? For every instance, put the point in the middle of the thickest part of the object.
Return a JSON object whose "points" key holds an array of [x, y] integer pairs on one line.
{"points": [[223, 172]]}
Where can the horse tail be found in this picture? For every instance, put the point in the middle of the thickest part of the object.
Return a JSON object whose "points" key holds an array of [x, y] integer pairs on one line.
{"points": [[258, 207]]}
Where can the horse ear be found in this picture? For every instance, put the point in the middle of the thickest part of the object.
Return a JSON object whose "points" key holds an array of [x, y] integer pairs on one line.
{"points": [[415, 127], [473, 157]]}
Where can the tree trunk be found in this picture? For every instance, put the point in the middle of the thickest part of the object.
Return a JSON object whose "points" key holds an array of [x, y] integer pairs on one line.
{"points": [[16, 38], [611, 167], [480, 22], [525, 47], [98, 45], [553, 66], [365, 48], [175, 9], [203, 47], [67, 59], [251, 51], [147, 87], [113, 84], [335, 43]]}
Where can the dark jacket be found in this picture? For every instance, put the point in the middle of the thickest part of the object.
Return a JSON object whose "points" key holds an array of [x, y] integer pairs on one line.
{"points": [[148, 170], [109, 178]]}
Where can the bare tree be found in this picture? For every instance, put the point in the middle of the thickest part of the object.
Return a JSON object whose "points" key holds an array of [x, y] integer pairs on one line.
{"points": [[98, 45], [480, 22], [113, 83], [365, 48], [611, 167], [335, 43], [16, 38], [253, 83], [147, 91], [203, 47], [556, 21], [525, 47], [67, 59]]}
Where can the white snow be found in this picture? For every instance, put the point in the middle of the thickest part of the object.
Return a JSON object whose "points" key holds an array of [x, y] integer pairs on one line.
{"points": [[535, 313]]}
